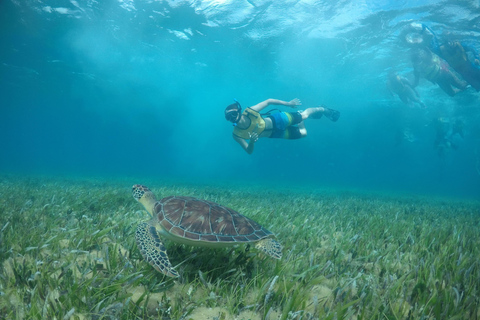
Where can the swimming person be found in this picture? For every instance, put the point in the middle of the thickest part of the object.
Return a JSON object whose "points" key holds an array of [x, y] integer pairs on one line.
{"points": [[464, 59], [251, 125], [404, 89], [428, 65], [447, 133]]}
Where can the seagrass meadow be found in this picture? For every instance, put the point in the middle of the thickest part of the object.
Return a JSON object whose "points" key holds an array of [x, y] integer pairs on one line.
{"points": [[67, 251]]}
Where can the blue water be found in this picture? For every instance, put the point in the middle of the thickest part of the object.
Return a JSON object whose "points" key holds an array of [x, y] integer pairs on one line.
{"points": [[138, 88]]}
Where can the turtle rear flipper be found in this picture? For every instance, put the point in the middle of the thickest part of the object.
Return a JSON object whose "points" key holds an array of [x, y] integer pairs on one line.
{"points": [[270, 247], [153, 250]]}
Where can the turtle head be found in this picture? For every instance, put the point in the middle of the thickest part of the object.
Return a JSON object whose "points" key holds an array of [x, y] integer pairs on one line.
{"points": [[143, 195]]}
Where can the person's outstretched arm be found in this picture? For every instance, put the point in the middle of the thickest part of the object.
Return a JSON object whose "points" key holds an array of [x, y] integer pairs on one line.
{"points": [[262, 105]]}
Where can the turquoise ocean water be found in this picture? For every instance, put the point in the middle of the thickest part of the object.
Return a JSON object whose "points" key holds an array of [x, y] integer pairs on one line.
{"points": [[138, 88]]}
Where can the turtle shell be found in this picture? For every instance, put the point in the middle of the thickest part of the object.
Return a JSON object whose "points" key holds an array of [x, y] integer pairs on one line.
{"points": [[201, 220]]}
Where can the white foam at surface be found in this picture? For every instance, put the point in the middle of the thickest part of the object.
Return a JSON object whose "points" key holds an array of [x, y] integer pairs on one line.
{"points": [[179, 34], [128, 5]]}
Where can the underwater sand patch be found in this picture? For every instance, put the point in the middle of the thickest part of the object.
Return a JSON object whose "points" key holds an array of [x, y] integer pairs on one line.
{"points": [[10, 262], [154, 299], [323, 293], [211, 314], [250, 315], [13, 299]]}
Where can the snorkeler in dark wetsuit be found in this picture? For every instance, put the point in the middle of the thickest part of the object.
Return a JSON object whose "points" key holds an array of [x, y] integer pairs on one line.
{"points": [[251, 125], [428, 65]]}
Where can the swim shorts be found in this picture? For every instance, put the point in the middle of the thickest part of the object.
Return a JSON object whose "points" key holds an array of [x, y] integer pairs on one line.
{"points": [[284, 125]]}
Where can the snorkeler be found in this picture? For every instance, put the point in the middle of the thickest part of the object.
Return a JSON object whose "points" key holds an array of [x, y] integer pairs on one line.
{"points": [[428, 65], [404, 89], [251, 125], [464, 59], [446, 132]]}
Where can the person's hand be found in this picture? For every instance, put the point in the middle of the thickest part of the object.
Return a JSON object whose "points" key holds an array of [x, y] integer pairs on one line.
{"points": [[253, 137], [295, 102]]}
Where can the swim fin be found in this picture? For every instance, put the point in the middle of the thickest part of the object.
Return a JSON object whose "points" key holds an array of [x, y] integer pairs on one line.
{"points": [[331, 114]]}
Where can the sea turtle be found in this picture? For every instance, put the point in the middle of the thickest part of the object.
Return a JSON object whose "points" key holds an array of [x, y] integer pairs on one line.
{"points": [[197, 222]]}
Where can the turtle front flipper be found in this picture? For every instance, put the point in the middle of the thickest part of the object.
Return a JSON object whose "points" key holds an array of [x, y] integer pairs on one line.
{"points": [[270, 247], [153, 250]]}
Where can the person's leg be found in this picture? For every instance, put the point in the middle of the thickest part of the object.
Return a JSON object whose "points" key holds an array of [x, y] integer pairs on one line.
{"points": [[457, 82], [405, 99], [308, 112], [447, 88], [413, 98], [472, 77], [318, 112], [302, 130]]}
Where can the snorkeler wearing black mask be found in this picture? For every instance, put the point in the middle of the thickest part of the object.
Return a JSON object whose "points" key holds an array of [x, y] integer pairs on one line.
{"points": [[251, 125]]}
